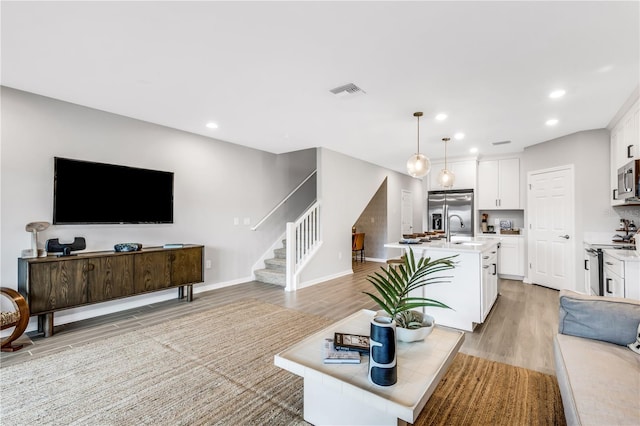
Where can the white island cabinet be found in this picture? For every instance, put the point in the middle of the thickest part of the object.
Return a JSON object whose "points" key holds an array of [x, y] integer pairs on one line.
{"points": [[471, 288]]}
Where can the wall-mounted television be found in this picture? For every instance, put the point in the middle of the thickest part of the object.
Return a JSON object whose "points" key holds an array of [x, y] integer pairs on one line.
{"points": [[87, 192]]}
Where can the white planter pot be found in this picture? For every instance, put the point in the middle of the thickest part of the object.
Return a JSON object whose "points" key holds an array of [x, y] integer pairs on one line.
{"points": [[413, 335]]}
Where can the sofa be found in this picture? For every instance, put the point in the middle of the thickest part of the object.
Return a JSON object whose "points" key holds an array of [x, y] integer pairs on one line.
{"points": [[598, 373]]}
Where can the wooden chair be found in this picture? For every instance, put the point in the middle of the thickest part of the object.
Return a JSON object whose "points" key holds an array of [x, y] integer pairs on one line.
{"points": [[358, 246], [19, 319], [392, 263]]}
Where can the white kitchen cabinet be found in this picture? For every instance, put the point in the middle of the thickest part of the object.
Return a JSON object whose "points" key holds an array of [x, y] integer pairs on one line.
{"points": [[499, 184], [511, 259], [613, 276], [464, 171], [622, 273], [489, 292], [625, 145]]}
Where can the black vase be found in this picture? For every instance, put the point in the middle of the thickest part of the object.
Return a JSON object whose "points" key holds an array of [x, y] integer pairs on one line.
{"points": [[383, 369]]}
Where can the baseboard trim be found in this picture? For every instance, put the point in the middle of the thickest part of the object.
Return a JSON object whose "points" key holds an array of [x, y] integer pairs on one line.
{"points": [[323, 279]]}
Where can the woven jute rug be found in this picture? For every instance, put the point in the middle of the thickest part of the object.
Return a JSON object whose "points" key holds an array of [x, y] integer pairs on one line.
{"points": [[216, 367]]}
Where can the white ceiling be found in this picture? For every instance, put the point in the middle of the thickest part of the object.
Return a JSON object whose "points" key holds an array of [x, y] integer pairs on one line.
{"points": [[263, 70]]}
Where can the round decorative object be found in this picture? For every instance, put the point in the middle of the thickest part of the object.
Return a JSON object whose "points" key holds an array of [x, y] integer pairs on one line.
{"points": [[18, 318], [383, 369], [418, 165], [127, 247], [408, 335]]}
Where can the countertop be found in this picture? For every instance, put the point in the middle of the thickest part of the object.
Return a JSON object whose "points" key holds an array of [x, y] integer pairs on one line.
{"points": [[624, 255], [468, 245]]}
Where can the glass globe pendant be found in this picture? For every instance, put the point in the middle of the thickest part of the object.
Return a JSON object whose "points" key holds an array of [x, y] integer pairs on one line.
{"points": [[418, 165], [445, 178]]}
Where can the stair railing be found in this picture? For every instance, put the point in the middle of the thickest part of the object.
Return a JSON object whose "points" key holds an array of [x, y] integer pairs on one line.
{"points": [[257, 225], [303, 240]]}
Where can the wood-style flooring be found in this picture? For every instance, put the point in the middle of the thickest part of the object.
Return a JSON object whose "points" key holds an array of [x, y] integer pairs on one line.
{"points": [[519, 330]]}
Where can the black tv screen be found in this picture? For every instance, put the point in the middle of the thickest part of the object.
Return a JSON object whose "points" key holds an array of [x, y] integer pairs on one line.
{"points": [[86, 192]]}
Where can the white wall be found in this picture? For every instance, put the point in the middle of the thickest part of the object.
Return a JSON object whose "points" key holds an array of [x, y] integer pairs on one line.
{"points": [[214, 183], [345, 186], [588, 151]]}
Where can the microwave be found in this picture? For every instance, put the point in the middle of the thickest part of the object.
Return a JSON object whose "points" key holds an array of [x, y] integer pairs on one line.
{"points": [[629, 182]]}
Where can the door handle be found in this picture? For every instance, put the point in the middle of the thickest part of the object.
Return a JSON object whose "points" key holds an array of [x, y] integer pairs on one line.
{"points": [[565, 236]]}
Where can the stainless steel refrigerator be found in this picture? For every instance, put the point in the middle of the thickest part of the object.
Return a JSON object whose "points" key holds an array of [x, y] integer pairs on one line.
{"points": [[456, 202]]}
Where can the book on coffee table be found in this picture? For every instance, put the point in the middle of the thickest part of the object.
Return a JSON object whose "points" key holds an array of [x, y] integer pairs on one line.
{"points": [[333, 356], [351, 342]]}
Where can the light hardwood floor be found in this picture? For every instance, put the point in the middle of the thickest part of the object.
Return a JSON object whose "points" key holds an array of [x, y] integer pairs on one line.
{"points": [[518, 331]]}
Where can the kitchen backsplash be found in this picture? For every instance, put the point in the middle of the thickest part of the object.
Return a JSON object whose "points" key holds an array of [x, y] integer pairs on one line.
{"points": [[495, 216]]}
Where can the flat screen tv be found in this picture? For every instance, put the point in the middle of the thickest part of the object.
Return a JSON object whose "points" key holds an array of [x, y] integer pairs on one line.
{"points": [[86, 192]]}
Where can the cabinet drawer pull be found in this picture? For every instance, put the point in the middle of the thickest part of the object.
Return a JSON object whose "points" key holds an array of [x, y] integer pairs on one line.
{"points": [[495, 269], [91, 267], [485, 267], [485, 257], [608, 289], [629, 155], [609, 263]]}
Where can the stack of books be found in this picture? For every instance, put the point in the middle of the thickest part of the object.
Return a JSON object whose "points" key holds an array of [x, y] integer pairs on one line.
{"points": [[345, 348]]}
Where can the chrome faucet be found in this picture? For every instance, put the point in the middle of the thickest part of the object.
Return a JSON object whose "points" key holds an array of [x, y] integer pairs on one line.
{"points": [[448, 230]]}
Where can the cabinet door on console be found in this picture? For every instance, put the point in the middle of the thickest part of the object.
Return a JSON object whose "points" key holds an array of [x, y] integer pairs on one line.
{"points": [[152, 271], [186, 266], [57, 285], [109, 277]]}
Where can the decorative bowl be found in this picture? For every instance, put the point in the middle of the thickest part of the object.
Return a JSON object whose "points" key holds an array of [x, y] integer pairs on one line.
{"points": [[127, 247], [408, 335]]}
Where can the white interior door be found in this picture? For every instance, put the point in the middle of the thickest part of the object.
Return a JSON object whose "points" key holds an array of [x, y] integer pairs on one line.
{"points": [[551, 233], [406, 212]]}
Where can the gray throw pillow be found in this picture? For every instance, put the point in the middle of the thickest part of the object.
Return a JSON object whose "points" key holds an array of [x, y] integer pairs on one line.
{"points": [[601, 318]]}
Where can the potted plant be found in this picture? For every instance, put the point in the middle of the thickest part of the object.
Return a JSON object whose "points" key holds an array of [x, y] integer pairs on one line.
{"points": [[394, 287]]}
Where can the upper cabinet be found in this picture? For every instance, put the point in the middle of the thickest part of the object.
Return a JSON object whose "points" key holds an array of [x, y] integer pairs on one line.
{"points": [[499, 184], [464, 171], [625, 145]]}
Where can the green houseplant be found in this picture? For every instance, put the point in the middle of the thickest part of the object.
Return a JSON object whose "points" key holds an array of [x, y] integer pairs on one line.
{"points": [[394, 286]]}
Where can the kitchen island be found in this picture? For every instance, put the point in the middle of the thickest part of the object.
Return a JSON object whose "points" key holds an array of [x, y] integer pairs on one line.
{"points": [[472, 288]]}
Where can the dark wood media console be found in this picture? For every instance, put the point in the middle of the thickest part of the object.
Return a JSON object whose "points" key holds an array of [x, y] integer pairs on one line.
{"points": [[52, 283]]}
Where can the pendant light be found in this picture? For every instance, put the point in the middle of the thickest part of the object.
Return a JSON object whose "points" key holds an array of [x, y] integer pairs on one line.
{"points": [[418, 164], [446, 178]]}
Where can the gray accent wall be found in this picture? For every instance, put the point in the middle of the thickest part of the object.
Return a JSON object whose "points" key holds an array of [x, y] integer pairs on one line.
{"points": [[373, 222], [214, 183]]}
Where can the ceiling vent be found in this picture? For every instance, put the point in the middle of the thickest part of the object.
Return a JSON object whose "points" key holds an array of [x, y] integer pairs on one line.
{"points": [[500, 143], [347, 90]]}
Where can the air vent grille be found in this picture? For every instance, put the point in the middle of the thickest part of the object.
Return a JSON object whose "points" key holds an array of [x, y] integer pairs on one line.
{"points": [[347, 89], [500, 143]]}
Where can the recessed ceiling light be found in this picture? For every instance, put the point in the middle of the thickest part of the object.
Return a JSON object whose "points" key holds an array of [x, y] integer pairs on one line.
{"points": [[473, 150], [551, 122], [459, 136], [557, 93], [441, 117], [606, 68], [212, 125]]}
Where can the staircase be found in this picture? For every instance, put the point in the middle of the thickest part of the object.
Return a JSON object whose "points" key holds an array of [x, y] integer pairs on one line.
{"points": [[275, 271]]}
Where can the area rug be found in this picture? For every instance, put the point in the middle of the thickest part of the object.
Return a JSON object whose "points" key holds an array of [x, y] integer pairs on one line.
{"points": [[216, 367]]}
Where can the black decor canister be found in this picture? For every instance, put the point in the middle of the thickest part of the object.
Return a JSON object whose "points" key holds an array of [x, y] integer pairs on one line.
{"points": [[383, 369]]}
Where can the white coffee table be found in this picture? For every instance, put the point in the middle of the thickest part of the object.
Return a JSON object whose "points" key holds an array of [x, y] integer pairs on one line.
{"points": [[342, 394]]}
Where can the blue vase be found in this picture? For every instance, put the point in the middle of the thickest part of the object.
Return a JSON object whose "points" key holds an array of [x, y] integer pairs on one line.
{"points": [[383, 370]]}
